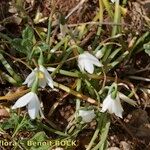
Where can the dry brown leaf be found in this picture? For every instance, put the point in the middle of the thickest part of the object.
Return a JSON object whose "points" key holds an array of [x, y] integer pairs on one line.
{"points": [[14, 95]]}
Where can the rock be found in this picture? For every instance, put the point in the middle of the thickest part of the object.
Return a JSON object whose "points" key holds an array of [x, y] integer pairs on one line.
{"points": [[124, 145]]}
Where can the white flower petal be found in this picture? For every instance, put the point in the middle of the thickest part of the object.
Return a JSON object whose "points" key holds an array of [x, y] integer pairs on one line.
{"points": [[29, 84], [48, 78], [97, 63], [24, 100], [93, 60], [51, 69], [81, 64], [34, 107], [50, 82], [42, 83], [107, 104], [112, 105], [117, 107], [87, 61], [113, 1], [89, 68], [45, 79], [87, 115], [30, 78]]}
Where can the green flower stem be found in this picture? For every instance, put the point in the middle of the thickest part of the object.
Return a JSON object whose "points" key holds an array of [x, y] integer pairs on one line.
{"points": [[100, 16], [68, 51], [117, 16], [62, 62], [5, 37], [92, 76], [137, 43], [108, 8], [104, 133], [93, 138], [52, 130], [55, 48], [49, 31], [92, 90], [66, 73], [41, 59], [9, 69], [75, 93], [76, 133], [78, 88], [48, 39], [118, 60], [8, 78], [107, 53], [19, 126], [97, 131], [124, 2], [113, 90], [115, 28], [35, 85]]}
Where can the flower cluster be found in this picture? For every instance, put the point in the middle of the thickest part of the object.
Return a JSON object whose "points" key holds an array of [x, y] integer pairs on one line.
{"points": [[31, 99], [40, 77]]}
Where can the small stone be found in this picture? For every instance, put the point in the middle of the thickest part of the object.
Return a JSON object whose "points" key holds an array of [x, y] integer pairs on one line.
{"points": [[58, 148], [124, 145], [113, 148]]}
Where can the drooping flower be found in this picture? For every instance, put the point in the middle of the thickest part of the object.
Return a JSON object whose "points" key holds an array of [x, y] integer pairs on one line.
{"points": [[86, 61], [43, 75], [87, 115], [32, 102], [113, 105]]}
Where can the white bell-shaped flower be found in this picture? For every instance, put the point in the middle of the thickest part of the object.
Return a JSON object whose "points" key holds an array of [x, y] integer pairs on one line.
{"points": [[32, 102], [43, 75], [86, 61], [112, 105], [87, 115]]}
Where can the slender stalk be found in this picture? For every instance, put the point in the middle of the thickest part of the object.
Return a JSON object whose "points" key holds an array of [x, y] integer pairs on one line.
{"points": [[92, 76], [93, 138], [101, 144], [5, 37], [62, 62], [9, 69], [75, 93], [78, 88], [100, 17], [100, 13], [117, 16], [8, 78], [49, 30], [104, 125], [19, 126], [52, 130], [108, 8], [55, 48]]}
